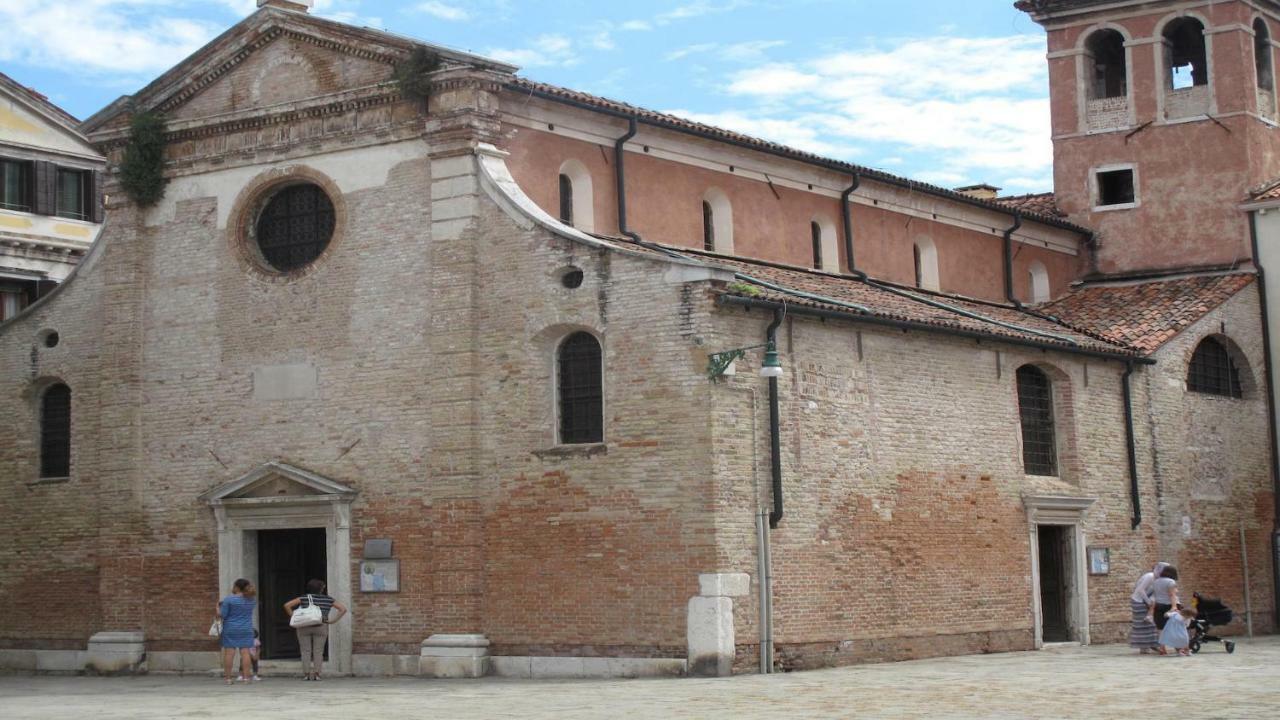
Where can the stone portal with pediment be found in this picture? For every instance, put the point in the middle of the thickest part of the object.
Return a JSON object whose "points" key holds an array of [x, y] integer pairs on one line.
{"points": [[278, 496]]}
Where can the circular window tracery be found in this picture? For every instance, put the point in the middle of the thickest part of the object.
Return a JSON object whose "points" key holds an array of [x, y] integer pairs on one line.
{"points": [[294, 227]]}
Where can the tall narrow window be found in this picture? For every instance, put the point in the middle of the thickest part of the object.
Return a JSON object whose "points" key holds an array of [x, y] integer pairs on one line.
{"points": [[55, 432], [1262, 54], [1039, 277], [924, 253], [566, 199], [1105, 53], [581, 390], [1212, 371], [717, 222], [708, 227], [1188, 60], [15, 185], [815, 233], [1035, 408]]}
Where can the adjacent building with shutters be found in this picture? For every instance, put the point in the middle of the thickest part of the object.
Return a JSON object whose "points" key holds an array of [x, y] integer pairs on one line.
{"points": [[543, 384], [50, 206]]}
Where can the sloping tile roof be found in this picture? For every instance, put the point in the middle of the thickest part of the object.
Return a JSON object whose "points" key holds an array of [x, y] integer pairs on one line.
{"points": [[1037, 203], [799, 286], [517, 84], [1146, 315], [1266, 191]]}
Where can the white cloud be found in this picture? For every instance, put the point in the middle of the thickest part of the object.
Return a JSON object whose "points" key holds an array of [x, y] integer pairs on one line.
{"points": [[797, 134], [99, 36], [972, 109], [743, 52], [636, 25], [443, 11], [545, 50], [698, 8]]}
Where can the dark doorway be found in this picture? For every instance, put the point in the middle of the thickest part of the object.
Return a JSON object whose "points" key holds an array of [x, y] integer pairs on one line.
{"points": [[287, 559], [1054, 576]]}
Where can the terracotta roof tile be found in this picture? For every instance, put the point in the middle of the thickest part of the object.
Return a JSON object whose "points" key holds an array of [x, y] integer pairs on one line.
{"points": [[1148, 314], [841, 293], [1266, 191], [1039, 203]]}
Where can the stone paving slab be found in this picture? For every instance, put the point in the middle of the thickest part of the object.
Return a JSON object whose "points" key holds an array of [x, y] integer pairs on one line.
{"points": [[1067, 682]]}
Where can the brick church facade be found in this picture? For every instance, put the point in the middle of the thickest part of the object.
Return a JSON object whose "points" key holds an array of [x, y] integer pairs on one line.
{"points": [[489, 362]]}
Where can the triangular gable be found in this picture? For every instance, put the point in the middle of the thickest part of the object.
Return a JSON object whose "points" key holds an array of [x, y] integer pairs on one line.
{"points": [[276, 479], [205, 67], [30, 119]]}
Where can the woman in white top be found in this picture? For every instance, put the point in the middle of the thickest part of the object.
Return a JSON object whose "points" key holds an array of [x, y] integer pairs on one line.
{"points": [[1164, 592], [1143, 634]]}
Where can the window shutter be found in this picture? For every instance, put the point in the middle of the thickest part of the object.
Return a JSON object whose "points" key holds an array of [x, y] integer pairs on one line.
{"points": [[96, 211], [46, 188]]}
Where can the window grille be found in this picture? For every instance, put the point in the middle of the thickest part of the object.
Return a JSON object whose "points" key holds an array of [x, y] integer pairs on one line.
{"points": [[566, 200], [295, 227], [581, 390], [708, 227], [55, 432], [1212, 371], [1035, 406]]}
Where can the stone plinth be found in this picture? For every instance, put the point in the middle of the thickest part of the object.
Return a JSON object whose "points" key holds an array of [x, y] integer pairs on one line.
{"points": [[115, 653], [454, 656]]}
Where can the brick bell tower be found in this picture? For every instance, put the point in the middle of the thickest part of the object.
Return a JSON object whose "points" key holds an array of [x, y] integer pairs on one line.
{"points": [[1164, 115]]}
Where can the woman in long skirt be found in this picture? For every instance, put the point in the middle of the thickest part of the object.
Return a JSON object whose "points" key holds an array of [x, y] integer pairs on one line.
{"points": [[1143, 635]]}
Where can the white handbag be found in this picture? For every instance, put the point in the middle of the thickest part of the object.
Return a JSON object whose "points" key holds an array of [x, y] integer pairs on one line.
{"points": [[307, 616], [215, 629]]}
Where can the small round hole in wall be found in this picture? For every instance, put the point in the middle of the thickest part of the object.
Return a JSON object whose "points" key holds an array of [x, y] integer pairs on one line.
{"points": [[572, 278], [49, 338]]}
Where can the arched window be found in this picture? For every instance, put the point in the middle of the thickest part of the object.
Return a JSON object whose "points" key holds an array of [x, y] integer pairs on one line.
{"points": [[1212, 371], [1262, 55], [581, 389], [577, 206], [566, 199], [815, 232], [1039, 277], [822, 232], [717, 222], [925, 256], [1035, 408], [1109, 77], [1188, 60], [55, 432]]}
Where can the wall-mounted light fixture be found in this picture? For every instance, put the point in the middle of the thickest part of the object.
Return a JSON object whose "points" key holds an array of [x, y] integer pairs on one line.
{"points": [[718, 363]]}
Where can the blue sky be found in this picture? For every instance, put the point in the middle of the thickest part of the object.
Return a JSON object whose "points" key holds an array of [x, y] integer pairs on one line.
{"points": [[947, 91]]}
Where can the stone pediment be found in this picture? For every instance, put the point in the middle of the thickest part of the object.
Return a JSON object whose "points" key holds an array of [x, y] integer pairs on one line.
{"points": [[277, 480], [273, 57]]}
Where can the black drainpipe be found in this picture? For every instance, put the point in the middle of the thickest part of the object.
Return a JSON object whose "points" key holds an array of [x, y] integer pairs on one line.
{"points": [[1008, 260], [1129, 444], [775, 431], [847, 215], [620, 175], [1271, 408]]}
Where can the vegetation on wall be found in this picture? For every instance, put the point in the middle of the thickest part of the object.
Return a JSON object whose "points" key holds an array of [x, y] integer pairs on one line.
{"points": [[410, 74], [142, 170]]}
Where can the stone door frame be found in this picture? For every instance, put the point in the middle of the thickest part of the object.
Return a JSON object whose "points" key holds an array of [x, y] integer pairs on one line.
{"points": [[1069, 512], [327, 505]]}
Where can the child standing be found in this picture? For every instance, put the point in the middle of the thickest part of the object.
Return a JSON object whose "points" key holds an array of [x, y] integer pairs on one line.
{"points": [[1175, 634], [255, 654]]}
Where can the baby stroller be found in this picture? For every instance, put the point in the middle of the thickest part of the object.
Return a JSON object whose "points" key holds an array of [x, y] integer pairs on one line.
{"points": [[1209, 612]]}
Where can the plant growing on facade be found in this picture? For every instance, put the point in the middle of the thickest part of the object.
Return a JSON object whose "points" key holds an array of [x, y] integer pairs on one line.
{"points": [[142, 169], [410, 74]]}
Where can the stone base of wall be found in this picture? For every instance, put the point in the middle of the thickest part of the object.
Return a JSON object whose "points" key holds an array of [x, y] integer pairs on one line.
{"points": [[52, 662], [810, 656]]}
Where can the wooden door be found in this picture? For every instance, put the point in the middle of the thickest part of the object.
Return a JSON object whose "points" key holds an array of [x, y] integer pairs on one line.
{"points": [[1053, 584], [287, 559]]}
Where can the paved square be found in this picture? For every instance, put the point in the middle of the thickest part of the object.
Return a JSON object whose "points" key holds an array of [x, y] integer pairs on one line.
{"points": [[1069, 682]]}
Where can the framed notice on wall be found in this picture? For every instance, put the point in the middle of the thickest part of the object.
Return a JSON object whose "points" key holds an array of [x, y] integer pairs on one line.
{"points": [[1099, 561], [379, 575]]}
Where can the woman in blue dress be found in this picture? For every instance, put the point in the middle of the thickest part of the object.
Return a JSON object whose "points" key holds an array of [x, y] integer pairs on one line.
{"points": [[236, 612]]}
